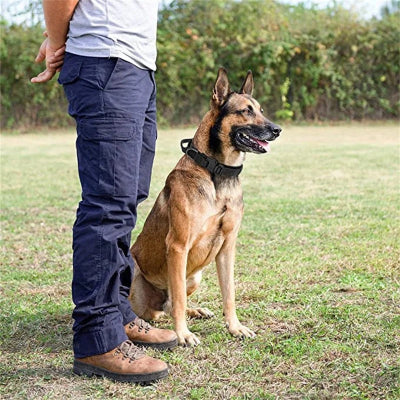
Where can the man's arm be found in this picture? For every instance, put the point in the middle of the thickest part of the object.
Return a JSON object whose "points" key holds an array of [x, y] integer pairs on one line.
{"points": [[57, 14]]}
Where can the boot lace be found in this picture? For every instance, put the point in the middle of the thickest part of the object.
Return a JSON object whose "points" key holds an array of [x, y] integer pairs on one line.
{"points": [[129, 351], [141, 324]]}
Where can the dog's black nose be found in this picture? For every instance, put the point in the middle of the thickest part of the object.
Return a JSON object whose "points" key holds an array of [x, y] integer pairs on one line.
{"points": [[274, 129]]}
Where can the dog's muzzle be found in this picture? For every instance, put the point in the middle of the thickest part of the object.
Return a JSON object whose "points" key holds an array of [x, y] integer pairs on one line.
{"points": [[275, 130], [254, 138]]}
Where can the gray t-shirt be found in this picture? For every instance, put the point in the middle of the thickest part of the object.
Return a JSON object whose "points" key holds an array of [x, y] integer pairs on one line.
{"points": [[115, 28]]}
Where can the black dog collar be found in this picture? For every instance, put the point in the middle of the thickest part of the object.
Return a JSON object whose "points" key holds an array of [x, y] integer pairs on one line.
{"points": [[211, 164]]}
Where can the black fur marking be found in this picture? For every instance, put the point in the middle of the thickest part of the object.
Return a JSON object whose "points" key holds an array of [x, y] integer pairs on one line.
{"points": [[214, 142]]}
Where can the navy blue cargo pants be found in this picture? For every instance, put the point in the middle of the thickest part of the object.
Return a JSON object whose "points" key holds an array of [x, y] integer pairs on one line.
{"points": [[113, 103]]}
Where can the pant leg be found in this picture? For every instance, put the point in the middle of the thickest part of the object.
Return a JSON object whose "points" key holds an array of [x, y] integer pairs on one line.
{"points": [[148, 147], [149, 138], [108, 99]]}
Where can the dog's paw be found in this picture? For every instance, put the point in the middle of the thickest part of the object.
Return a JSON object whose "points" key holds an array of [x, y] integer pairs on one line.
{"points": [[241, 331], [199, 313], [187, 339]]}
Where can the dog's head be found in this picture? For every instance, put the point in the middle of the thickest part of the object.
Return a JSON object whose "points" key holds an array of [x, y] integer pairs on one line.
{"points": [[239, 120]]}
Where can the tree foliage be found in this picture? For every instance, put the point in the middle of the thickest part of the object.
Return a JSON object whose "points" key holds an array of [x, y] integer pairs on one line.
{"points": [[23, 103], [308, 63]]}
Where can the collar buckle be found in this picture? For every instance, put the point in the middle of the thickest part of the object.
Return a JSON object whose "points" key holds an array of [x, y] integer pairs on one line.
{"points": [[218, 169]]}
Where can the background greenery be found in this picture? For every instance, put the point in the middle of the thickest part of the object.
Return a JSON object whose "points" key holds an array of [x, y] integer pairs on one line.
{"points": [[317, 273], [308, 63]]}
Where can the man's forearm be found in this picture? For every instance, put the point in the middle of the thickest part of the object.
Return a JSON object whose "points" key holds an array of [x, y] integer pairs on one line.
{"points": [[57, 14]]}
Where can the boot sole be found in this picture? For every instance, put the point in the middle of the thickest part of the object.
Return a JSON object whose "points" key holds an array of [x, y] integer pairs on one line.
{"points": [[158, 346], [83, 369]]}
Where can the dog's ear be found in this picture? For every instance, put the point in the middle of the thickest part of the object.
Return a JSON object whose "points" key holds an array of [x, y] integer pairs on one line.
{"points": [[248, 84], [221, 88]]}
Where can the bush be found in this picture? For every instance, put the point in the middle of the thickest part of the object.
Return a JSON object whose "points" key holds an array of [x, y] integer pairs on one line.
{"points": [[22, 102], [307, 63]]}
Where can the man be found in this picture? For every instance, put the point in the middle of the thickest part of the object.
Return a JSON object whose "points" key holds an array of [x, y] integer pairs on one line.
{"points": [[107, 51]]}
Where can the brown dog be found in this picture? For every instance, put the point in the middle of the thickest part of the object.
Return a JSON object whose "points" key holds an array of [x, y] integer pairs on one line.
{"points": [[197, 215]]}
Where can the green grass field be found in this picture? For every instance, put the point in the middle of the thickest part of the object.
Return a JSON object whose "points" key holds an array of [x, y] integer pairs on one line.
{"points": [[317, 273]]}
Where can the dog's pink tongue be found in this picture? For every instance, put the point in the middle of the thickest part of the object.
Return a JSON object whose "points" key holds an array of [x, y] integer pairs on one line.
{"points": [[264, 145]]}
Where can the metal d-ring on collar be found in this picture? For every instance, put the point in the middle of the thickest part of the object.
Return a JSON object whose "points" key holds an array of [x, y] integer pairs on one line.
{"points": [[211, 164]]}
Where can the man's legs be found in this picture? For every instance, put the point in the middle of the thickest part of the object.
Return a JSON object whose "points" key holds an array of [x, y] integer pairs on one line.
{"points": [[109, 99]]}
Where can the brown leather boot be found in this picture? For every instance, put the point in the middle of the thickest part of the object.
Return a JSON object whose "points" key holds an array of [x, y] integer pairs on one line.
{"points": [[126, 363], [142, 333]]}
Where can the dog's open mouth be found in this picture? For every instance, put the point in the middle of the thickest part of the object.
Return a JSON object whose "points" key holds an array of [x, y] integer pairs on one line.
{"points": [[252, 144]]}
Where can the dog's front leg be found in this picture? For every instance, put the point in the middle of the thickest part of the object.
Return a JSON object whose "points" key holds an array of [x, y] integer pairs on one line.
{"points": [[176, 260], [225, 265]]}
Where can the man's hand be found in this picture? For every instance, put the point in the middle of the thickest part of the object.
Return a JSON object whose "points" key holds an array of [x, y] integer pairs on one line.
{"points": [[57, 14], [54, 60]]}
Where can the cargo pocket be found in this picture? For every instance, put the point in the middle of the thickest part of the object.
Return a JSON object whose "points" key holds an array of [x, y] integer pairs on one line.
{"points": [[108, 154], [69, 73], [68, 76]]}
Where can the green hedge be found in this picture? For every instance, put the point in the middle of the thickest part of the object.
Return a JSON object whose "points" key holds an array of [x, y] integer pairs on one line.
{"points": [[325, 64], [24, 104]]}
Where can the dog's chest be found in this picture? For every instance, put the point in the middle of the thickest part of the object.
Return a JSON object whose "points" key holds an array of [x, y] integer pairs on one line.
{"points": [[225, 211], [220, 222]]}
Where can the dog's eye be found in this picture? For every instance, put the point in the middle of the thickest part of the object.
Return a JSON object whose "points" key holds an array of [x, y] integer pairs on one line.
{"points": [[262, 110], [250, 110]]}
